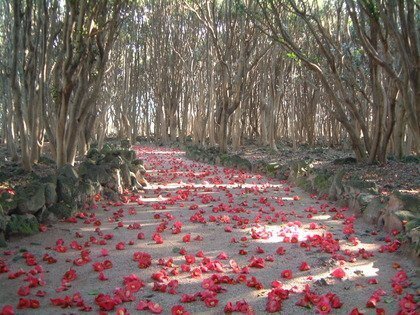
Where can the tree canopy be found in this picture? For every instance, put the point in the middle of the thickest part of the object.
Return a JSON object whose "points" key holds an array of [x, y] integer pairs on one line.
{"points": [[342, 73]]}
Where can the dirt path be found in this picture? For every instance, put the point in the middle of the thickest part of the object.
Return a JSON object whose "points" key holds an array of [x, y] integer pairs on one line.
{"points": [[214, 236]]}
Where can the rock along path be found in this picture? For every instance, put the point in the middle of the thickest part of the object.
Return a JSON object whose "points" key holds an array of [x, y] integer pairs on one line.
{"points": [[205, 239]]}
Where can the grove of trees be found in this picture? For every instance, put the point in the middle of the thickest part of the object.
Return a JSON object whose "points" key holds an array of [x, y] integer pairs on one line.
{"points": [[217, 72]]}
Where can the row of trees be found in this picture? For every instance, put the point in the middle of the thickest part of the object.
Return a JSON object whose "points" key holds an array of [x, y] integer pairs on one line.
{"points": [[222, 72]]}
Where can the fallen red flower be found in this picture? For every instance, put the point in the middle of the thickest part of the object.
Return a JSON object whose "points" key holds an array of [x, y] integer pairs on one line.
{"points": [[338, 273], [304, 266], [179, 310], [7, 310], [287, 274]]}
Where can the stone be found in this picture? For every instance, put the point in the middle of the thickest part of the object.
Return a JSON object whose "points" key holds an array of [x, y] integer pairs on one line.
{"points": [[336, 188], [283, 172], [3, 223], [125, 144], [414, 236], [406, 201], [115, 182], [358, 203], [321, 182], [141, 180], [93, 154], [50, 193], [243, 164], [66, 189], [304, 182], [400, 207], [412, 224], [67, 184], [8, 202], [43, 215], [50, 184], [25, 224], [355, 186], [68, 171], [62, 210], [95, 173], [30, 198], [3, 242], [300, 168], [127, 155], [110, 194], [389, 221], [87, 189], [259, 166], [125, 175], [373, 210]]}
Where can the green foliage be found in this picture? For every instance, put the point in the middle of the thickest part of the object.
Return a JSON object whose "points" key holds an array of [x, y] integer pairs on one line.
{"points": [[372, 7], [272, 167], [322, 182], [22, 225], [292, 55]]}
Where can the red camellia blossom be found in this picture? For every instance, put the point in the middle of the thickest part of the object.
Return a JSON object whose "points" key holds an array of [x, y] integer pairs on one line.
{"points": [[408, 305], [190, 259], [186, 238], [188, 298], [157, 238], [155, 308], [105, 302], [7, 310], [273, 306], [196, 273], [223, 256], [257, 262], [26, 303], [338, 273], [24, 291], [120, 246], [304, 266], [70, 275], [102, 276], [275, 299], [179, 310], [133, 283], [323, 306], [280, 251], [143, 259], [211, 302], [287, 274]]}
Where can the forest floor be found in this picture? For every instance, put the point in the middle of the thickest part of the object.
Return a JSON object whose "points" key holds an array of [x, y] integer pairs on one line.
{"points": [[207, 239], [395, 175]]}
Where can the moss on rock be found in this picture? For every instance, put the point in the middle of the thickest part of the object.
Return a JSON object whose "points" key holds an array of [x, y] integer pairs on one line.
{"points": [[8, 202], [322, 182], [410, 202], [30, 198], [25, 224], [62, 210]]}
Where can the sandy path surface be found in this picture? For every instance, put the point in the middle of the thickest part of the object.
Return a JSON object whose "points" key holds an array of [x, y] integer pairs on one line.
{"points": [[214, 236]]}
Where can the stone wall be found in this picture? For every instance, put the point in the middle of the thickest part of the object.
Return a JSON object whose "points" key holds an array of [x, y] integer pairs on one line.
{"points": [[397, 211], [102, 174]]}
